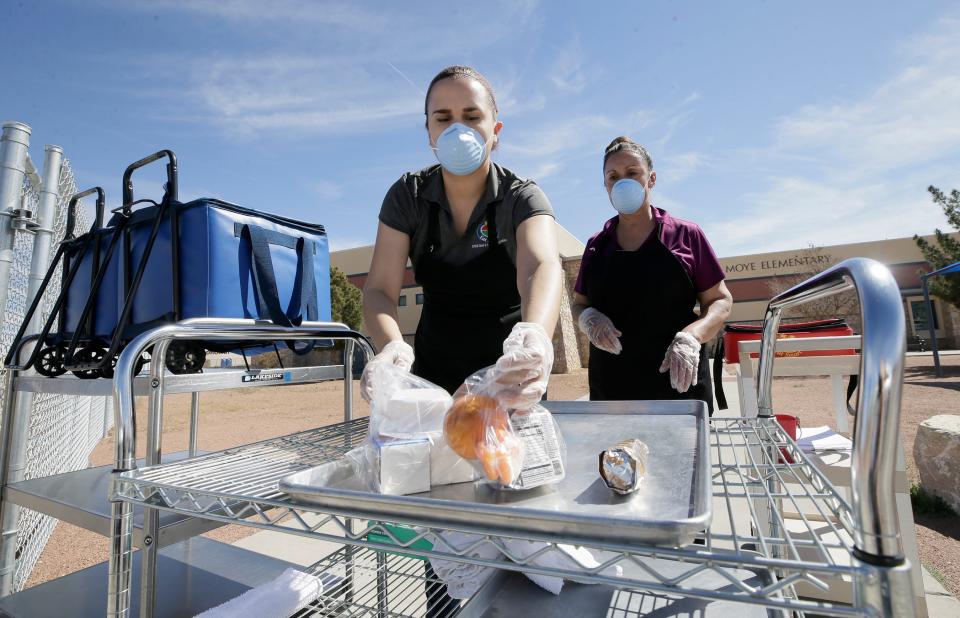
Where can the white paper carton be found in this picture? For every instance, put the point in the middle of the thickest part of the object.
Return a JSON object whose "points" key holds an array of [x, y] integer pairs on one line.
{"points": [[403, 466], [413, 412], [446, 467]]}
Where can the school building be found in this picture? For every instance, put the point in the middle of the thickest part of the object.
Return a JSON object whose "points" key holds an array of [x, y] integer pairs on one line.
{"points": [[750, 279]]}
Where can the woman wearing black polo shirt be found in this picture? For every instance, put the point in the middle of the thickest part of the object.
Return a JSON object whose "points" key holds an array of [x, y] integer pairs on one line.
{"points": [[640, 279], [483, 245]]}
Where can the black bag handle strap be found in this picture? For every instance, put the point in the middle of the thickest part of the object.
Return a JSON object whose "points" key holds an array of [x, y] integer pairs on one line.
{"points": [[303, 301], [718, 353]]}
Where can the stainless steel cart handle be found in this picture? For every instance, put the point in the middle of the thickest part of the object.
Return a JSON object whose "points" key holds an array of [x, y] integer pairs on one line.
{"points": [[875, 435], [160, 338], [203, 329]]}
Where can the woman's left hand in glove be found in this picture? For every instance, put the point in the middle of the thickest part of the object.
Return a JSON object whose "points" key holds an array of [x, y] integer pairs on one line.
{"points": [[525, 365], [682, 361]]}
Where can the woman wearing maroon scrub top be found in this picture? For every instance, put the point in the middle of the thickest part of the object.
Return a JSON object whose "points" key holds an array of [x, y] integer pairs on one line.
{"points": [[640, 279]]}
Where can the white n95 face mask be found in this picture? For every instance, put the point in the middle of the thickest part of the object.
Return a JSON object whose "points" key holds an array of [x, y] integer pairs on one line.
{"points": [[627, 196], [460, 149]]}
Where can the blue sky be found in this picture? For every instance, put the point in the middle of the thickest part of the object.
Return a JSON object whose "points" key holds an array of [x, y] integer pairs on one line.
{"points": [[772, 124]]}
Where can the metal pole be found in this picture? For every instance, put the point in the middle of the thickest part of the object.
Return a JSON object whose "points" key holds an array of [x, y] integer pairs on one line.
{"points": [[151, 517], [930, 327], [194, 421], [14, 145], [8, 535], [120, 570], [347, 380], [348, 415], [23, 406], [46, 216]]}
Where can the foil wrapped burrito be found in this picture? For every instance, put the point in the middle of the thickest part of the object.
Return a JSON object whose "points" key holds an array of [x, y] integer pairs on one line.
{"points": [[624, 465]]}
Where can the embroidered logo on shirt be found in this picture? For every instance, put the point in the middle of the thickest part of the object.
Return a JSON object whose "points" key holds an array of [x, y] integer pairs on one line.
{"points": [[483, 232]]}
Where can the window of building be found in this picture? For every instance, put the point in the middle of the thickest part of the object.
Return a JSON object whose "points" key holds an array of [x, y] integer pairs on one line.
{"points": [[403, 301], [419, 299]]}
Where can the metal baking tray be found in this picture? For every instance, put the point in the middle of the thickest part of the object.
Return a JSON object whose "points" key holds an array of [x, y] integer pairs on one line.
{"points": [[671, 507]]}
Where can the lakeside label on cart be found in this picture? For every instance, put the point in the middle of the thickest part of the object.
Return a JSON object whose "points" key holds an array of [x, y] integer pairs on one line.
{"points": [[270, 376]]}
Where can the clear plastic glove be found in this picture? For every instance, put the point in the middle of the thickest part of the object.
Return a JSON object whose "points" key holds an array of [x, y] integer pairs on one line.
{"points": [[682, 361], [600, 330], [525, 365], [397, 353]]}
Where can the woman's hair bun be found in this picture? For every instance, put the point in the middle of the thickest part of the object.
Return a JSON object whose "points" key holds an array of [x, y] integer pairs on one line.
{"points": [[625, 143]]}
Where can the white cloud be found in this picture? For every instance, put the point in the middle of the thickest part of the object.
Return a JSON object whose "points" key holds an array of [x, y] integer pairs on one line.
{"points": [[255, 12], [858, 169], [327, 189], [544, 170], [912, 118], [567, 74], [348, 80], [796, 211], [568, 135], [679, 166]]}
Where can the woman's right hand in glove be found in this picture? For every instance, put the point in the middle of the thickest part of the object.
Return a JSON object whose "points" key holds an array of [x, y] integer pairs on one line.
{"points": [[397, 353], [600, 330]]}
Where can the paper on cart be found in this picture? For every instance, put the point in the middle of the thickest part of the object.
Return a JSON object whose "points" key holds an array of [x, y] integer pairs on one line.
{"points": [[560, 556], [463, 579], [813, 439], [279, 598]]}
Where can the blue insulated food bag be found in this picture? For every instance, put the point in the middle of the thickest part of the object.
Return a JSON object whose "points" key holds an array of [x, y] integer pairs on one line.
{"points": [[233, 262], [103, 315]]}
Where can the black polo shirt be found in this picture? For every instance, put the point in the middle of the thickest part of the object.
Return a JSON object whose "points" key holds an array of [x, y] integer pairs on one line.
{"points": [[406, 208]]}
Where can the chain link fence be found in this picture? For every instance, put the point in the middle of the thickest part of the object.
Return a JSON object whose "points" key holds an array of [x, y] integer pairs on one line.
{"points": [[63, 429]]}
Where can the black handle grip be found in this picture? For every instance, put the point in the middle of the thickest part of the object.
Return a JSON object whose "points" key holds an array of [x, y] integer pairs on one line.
{"points": [[171, 174], [72, 210]]}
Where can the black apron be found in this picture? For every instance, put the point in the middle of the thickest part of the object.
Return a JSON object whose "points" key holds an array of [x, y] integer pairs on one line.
{"points": [[468, 310], [649, 296]]}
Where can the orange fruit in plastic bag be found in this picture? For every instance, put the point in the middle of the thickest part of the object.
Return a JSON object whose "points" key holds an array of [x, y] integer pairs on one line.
{"points": [[466, 424], [501, 460]]}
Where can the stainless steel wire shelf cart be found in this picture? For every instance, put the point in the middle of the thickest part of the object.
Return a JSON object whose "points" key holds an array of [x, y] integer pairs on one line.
{"points": [[759, 478]]}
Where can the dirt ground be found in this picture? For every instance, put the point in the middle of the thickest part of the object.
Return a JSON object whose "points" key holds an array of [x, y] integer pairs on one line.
{"points": [[231, 418]]}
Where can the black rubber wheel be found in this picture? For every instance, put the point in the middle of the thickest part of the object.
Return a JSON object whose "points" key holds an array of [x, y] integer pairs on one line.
{"points": [[107, 371], [49, 362], [185, 357], [88, 354]]}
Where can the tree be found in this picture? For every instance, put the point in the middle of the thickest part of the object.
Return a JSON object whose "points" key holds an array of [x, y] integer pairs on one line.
{"points": [[844, 305], [346, 300], [946, 250]]}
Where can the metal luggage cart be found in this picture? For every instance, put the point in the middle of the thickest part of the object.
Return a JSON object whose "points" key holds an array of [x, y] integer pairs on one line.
{"points": [[753, 487]]}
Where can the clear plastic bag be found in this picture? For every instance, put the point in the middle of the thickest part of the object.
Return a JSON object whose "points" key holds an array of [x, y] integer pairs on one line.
{"points": [[513, 449], [403, 405], [405, 451]]}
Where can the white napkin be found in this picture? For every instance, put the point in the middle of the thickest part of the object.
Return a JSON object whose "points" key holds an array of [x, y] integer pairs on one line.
{"points": [[462, 579], [812, 439], [280, 598], [561, 557]]}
